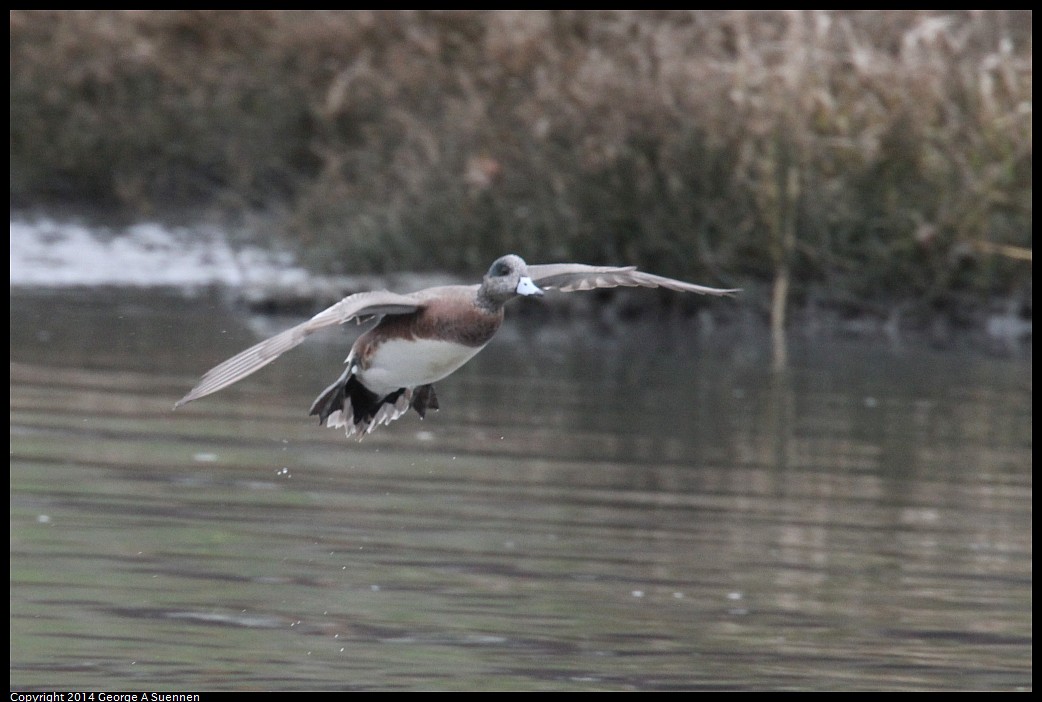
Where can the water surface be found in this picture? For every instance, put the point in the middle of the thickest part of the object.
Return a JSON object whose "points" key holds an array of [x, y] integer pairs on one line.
{"points": [[587, 512]]}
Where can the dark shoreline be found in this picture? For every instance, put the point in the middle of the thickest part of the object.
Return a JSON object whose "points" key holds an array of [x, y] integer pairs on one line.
{"points": [[995, 327]]}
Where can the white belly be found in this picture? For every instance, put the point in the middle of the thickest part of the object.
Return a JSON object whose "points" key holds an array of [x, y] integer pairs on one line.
{"points": [[407, 364]]}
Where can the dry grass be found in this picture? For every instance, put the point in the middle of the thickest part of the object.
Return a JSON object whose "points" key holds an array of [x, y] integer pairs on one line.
{"points": [[872, 156]]}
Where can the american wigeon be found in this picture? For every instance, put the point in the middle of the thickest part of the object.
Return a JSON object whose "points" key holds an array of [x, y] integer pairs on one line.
{"points": [[420, 338]]}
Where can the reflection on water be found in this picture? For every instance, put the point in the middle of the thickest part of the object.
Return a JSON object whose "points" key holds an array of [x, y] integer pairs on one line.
{"points": [[582, 514]]}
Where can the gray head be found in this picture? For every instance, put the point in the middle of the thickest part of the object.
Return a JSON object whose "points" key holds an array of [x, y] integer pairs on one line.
{"points": [[507, 278]]}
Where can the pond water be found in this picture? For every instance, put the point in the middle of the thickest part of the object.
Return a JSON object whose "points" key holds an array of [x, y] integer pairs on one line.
{"points": [[646, 510]]}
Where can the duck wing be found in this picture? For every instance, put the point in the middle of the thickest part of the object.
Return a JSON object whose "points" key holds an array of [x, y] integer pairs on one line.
{"points": [[358, 306], [568, 277]]}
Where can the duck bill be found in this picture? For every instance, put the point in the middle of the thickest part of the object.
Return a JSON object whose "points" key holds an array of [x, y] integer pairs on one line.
{"points": [[526, 287]]}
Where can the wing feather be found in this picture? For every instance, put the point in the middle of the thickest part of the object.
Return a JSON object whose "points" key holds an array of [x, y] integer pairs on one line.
{"points": [[357, 306], [568, 277]]}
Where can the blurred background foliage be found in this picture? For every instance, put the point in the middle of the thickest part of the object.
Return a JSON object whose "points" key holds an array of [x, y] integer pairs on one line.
{"points": [[873, 158]]}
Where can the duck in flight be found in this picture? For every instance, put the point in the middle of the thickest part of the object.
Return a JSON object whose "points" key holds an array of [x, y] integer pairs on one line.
{"points": [[420, 338]]}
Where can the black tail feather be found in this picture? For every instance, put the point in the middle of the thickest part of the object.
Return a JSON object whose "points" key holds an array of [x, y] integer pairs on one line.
{"points": [[364, 402], [330, 400]]}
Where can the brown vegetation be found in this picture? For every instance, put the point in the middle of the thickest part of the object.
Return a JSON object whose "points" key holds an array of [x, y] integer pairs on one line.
{"points": [[860, 157]]}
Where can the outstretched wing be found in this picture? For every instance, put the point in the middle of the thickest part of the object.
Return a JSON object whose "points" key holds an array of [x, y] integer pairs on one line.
{"points": [[567, 277], [357, 306]]}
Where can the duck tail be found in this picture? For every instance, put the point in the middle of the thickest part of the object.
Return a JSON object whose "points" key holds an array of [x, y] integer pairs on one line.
{"points": [[349, 404]]}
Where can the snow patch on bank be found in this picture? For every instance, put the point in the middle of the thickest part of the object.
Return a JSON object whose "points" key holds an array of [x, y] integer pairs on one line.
{"points": [[48, 253]]}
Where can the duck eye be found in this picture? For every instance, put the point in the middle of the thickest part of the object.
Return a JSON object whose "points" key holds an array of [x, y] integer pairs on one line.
{"points": [[500, 269]]}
